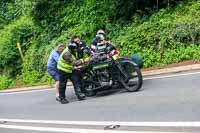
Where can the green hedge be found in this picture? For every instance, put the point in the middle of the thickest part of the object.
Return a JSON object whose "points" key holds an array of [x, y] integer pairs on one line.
{"points": [[166, 37], [18, 31], [5, 82]]}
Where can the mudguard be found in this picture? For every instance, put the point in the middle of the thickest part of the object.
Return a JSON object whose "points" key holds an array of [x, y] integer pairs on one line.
{"points": [[138, 61], [123, 59]]}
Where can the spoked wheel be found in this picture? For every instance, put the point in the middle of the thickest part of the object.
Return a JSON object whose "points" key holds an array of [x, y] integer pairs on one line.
{"points": [[130, 76], [87, 85]]}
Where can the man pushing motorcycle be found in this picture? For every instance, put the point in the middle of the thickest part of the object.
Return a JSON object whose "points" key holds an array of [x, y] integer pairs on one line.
{"points": [[68, 66], [101, 70]]}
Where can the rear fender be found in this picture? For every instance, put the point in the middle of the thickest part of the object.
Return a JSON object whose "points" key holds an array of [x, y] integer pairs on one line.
{"points": [[126, 59]]}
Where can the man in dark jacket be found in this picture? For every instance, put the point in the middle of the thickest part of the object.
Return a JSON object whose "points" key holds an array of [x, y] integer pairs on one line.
{"points": [[68, 63]]}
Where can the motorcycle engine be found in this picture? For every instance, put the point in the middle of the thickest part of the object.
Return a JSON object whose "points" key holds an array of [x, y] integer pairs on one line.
{"points": [[104, 77]]}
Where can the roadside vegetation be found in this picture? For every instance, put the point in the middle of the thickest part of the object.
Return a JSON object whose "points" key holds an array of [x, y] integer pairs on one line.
{"points": [[162, 33]]}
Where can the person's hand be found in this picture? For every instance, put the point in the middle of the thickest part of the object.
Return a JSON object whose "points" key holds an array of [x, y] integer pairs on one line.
{"points": [[78, 67], [92, 58], [87, 60]]}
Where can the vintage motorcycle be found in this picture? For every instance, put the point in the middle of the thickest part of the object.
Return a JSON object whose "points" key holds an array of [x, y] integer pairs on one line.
{"points": [[107, 72]]}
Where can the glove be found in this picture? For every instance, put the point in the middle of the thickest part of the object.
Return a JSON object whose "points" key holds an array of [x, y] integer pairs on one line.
{"points": [[87, 60]]}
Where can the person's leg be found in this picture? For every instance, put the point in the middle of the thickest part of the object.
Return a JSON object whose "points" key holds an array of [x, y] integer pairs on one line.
{"points": [[57, 82], [62, 86], [57, 88], [55, 75], [75, 80]]}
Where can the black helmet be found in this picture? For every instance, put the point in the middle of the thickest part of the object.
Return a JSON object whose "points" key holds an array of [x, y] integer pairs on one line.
{"points": [[72, 46], [100, 38]]}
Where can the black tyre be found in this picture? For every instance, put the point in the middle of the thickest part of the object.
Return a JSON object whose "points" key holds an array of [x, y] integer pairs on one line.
{"points": [[87, 86], [130, 76]]}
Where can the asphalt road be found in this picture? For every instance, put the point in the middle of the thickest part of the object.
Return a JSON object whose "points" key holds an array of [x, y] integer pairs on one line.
{"points": [[167, 98]]}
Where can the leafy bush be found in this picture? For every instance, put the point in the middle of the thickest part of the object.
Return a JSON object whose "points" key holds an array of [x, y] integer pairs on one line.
{"points": [[10, 10], [5, 82], [166, 37], [18, 31], [169, 35], [31, 77]]}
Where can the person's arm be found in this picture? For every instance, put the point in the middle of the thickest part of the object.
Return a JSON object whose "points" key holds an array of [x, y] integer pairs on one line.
{"points": [[93, 45], [95, 41], [111, 47], [55, 56], [85, 51], [112, 51], [93, 48], [83, 44], [68, 58]]}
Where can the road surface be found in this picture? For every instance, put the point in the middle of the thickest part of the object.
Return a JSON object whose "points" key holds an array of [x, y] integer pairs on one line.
{"points": [[166, 103]]}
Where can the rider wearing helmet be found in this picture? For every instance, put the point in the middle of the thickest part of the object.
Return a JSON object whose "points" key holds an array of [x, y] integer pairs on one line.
{"points": [[68, 62], [100, 34], [100, 44]]}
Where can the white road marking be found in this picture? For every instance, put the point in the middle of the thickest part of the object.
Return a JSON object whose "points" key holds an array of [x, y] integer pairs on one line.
{"points": [[171, 75], [25, 91], [106, 123], [72, 130]]}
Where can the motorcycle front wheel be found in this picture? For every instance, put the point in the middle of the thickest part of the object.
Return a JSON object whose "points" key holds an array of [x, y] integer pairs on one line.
{"points": [[87, 86], [130, 76]]}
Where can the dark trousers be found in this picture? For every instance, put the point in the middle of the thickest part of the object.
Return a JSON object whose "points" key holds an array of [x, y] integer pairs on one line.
{"points": [[63, 77]]}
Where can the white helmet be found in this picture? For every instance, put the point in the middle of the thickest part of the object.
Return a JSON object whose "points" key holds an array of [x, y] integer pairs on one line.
{"points": [[101, 32]]}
